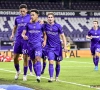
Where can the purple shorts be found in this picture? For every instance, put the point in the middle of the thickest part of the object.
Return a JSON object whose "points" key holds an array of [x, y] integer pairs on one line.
{"points": [[34, 50], [95, 49], [44, 54], [20, 47], [55, 53]]}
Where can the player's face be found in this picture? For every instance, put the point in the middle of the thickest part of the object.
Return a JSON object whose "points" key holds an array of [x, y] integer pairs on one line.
{"points": [[95, 24], [23, 11], [51, 19], [34, 16]]}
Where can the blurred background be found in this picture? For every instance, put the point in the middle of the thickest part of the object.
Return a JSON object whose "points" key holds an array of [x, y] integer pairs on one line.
{"points": [[75, 16]]}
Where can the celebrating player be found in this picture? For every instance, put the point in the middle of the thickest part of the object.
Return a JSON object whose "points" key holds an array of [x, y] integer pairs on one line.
{"points": [[94, 35], [53, 31], [20, 45], [35, 31]]}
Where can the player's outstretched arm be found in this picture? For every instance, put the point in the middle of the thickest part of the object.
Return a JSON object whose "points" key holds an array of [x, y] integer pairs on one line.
{"points": [[64, 40], [24, 35], [13, 32]]}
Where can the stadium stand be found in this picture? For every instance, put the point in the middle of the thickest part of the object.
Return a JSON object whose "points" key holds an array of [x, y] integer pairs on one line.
{"points": [[79, 5], [83, 5], [38, 5], [74, 27]]}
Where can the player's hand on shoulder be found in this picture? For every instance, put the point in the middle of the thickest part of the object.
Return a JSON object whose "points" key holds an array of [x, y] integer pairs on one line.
{"points": [[41, 21], [25, 37]]}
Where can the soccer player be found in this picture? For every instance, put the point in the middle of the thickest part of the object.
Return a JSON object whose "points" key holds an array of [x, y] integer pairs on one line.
{"points": [[94, 36], [20, 45], [35, 31], [68, 49], [54, 31]]}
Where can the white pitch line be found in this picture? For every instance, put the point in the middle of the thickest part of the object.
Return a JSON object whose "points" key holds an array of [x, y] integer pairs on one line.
{"points": [[78, 62], [76, 66], [73, 83]]}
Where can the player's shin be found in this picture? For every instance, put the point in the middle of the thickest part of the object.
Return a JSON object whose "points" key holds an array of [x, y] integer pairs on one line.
{"points": [[25, 57], [57, 70], [16, 62], [51, 70], [39, 67], [94, 60], [30, 65], [44, 65], [97, 60], [35, 67], [38, 59]]}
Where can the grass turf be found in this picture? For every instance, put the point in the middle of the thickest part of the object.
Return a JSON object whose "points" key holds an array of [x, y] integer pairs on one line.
{"points": [[76, 74]]}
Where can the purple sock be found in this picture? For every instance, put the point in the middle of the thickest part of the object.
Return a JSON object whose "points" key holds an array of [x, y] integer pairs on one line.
{"points": [[57, 70], [25, 70], [44, 65], [35, 68], [96, 61], [30, 65], [51, 70], [17, 67], [38, 68]]}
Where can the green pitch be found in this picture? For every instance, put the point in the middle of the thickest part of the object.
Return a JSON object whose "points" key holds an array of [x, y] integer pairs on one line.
{"points": [[76, 74]]}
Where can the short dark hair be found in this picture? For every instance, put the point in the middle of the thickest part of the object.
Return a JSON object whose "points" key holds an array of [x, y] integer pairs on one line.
{"points": [[23, 6], [34, 10], [51, 13], [96, 21]]}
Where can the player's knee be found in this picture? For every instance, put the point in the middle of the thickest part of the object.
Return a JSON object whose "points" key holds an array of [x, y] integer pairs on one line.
{"points": [[97, 54], [25, 56], [38, 58], [44, 60], [16, 57], [34, 61], [51, 62], [57, 62]]}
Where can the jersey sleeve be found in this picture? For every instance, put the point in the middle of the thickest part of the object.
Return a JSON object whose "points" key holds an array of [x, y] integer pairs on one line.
{"points": [[25, 27], [89, 33], [60, 30], [43, 27], [16, 22]]}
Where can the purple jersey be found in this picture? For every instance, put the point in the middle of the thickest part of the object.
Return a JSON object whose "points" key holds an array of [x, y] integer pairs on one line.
{"points": [[53, 31], [21, 22], [20, 44], [95, 36], [53, 41], [34, 31], [95, 41]]}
